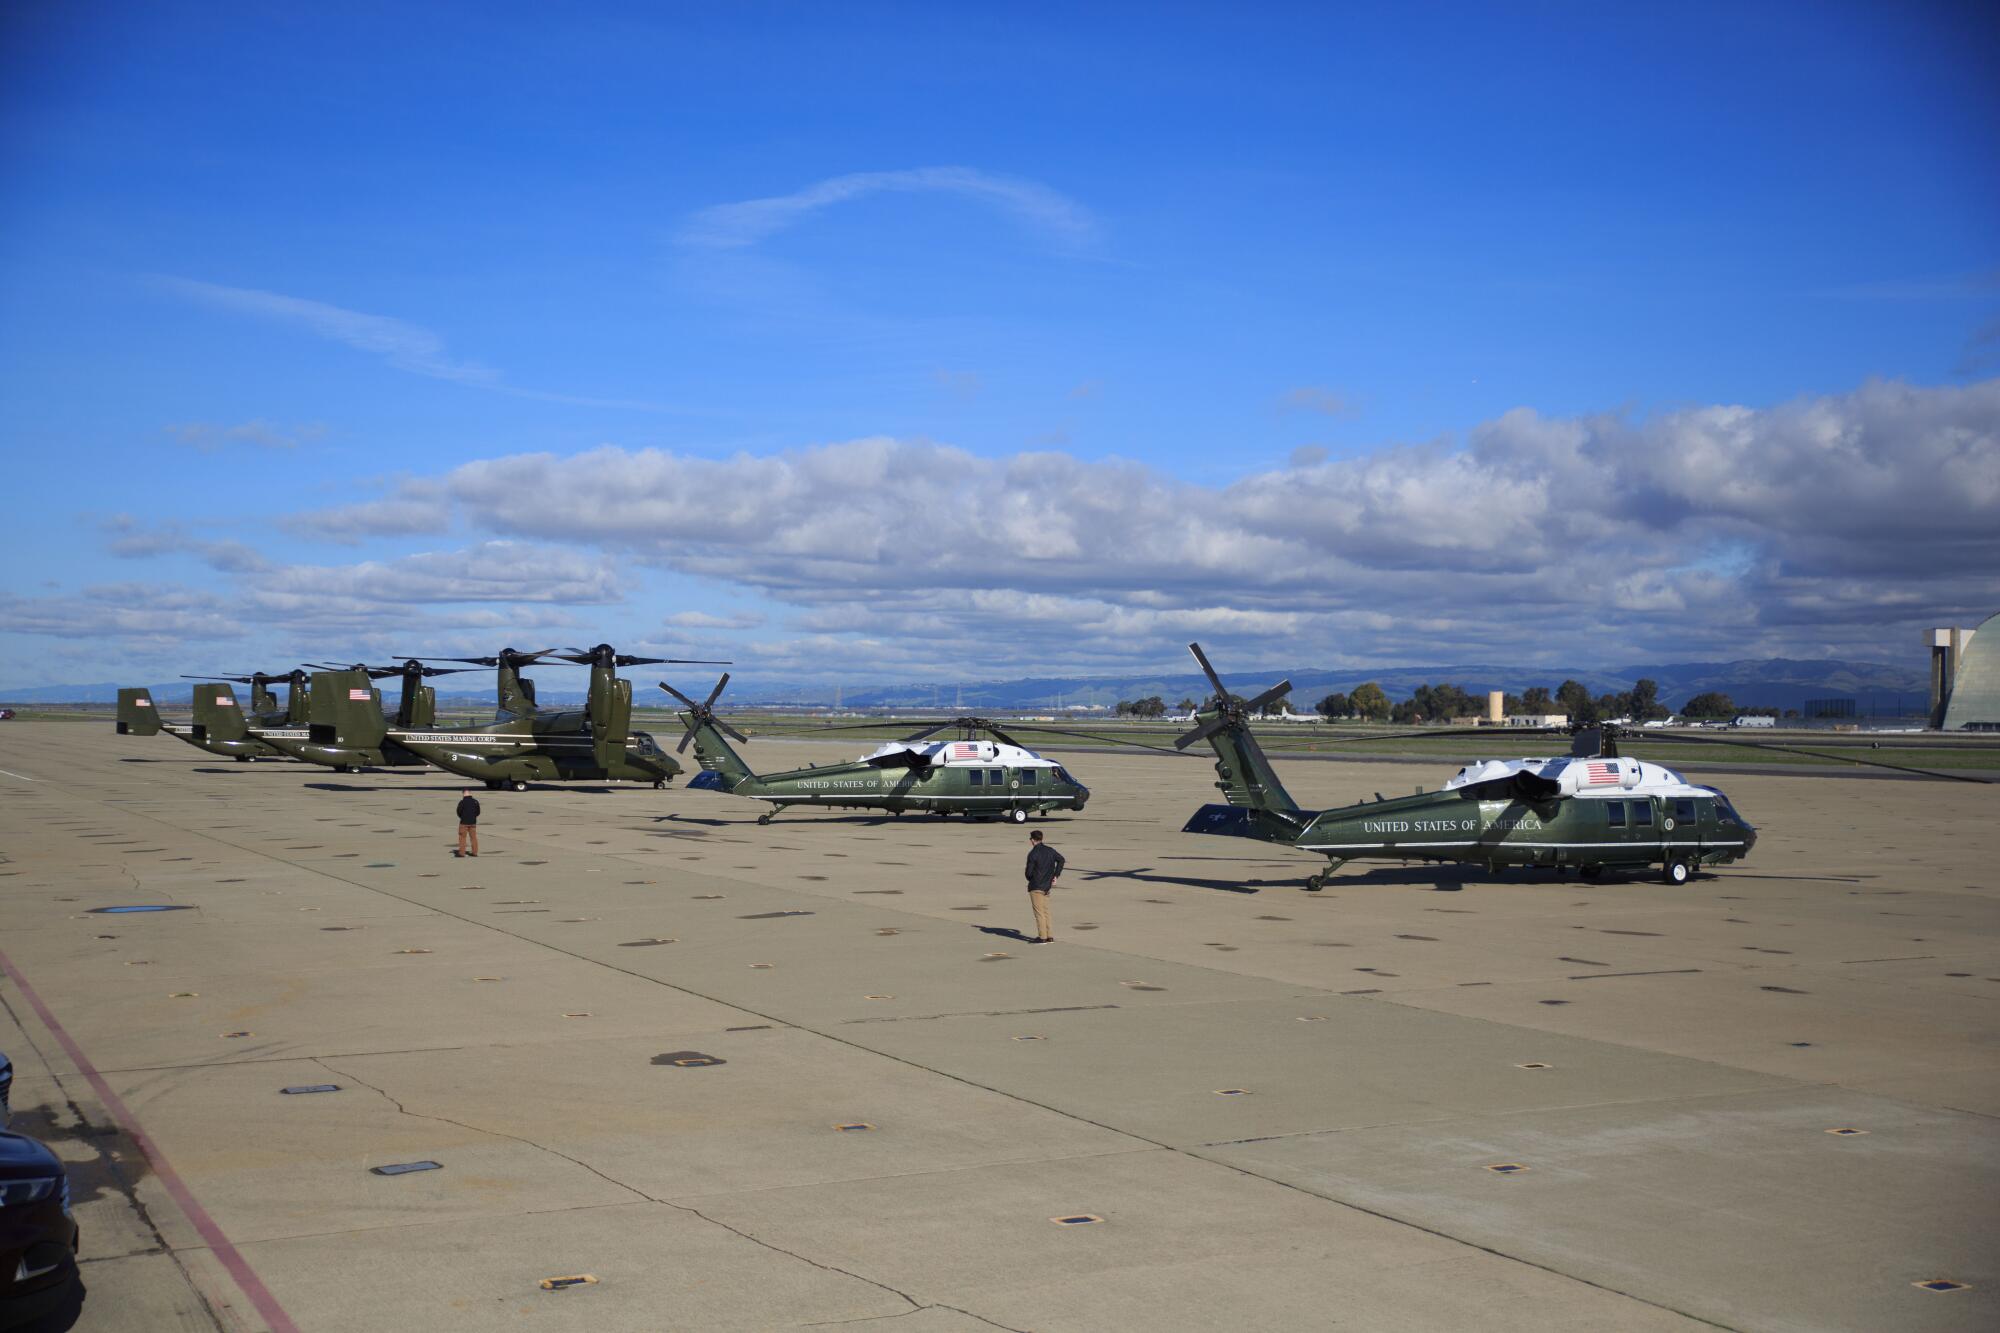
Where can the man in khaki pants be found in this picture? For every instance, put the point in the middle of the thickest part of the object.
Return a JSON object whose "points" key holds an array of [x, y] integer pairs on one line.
{"points": [[1044, 864], [468, 824]]}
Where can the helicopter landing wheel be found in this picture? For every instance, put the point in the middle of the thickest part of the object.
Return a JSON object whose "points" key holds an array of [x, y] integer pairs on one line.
{"points": [[242, 758], [1590, 872], [659, 784], [1314, 883], [1018, 816], [1677, 872], [517, 785], [343, 768], [764, 819]]}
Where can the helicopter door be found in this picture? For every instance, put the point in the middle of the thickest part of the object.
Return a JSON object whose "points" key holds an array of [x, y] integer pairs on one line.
{"points": [[1681, 826]]}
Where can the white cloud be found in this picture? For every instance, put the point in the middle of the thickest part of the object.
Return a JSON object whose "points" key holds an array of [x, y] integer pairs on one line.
{"points": [[1313, 398], [734, 226], [1850, 518]]}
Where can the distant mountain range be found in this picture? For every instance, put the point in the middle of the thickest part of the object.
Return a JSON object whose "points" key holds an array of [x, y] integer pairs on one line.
{"points": [[1771, 683]]}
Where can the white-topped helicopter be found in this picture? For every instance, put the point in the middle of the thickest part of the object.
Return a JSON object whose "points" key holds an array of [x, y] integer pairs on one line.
{"points": [[979, 778]]}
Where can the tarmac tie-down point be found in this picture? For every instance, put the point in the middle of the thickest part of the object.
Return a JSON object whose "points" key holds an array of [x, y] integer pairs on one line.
{"points": [[219, 1244]]}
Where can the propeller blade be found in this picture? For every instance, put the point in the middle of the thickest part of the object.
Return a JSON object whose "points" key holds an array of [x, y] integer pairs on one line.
{"points": [[1209, 671], [626, 660], [678, 695], [728, 730], [687, 736], [716, 693]]}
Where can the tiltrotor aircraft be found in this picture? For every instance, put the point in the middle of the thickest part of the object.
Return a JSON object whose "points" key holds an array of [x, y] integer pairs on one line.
{"points": [[980, 779], [345, 703], [525, 743], [1590, 810], [220, 726]]}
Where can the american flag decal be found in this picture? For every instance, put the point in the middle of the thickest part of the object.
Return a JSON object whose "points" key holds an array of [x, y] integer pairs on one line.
{"points": [[142, 703], [1601, 772], [225, 701], [360, 696], [964, 750]]}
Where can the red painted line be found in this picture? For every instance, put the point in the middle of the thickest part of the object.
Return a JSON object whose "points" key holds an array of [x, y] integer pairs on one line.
{"points": [[232, 1259]]}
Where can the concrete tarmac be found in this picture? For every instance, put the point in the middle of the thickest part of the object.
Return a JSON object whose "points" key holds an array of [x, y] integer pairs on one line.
{"points": [[812, 1073]]}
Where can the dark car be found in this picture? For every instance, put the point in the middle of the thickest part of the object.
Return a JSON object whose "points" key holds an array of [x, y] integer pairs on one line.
{"points": [[38, 1237]]}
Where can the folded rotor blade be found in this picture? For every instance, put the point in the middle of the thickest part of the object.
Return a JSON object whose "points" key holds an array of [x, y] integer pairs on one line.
{"points": [[685, 738], [678, 695], [716, 693], [728, 730]]}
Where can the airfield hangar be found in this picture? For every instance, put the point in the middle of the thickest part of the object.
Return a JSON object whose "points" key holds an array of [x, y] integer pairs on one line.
{"points": [[1965, 677]]}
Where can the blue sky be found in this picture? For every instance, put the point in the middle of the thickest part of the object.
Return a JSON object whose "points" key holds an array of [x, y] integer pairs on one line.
{"points": [[913, 341]]}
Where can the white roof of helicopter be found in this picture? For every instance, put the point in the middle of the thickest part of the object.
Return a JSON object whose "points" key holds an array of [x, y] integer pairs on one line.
{"points": [[1585, 778], [965, 754]]}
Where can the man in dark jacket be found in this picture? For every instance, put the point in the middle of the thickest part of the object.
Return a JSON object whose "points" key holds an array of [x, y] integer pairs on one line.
{"points": [[1044, 864], [468, 824]]}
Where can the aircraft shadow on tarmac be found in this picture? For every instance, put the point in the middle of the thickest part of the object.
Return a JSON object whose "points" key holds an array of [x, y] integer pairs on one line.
{"points": [[1441, 880]]}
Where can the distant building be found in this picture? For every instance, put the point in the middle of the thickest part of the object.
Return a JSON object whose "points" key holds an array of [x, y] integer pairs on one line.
{"points": [[1971, 662], [1538, 719]]}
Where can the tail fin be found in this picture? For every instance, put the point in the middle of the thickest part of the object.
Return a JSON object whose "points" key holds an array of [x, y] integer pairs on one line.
{"points": [[347, 710], [217, 716], [421, 708], [1259, 806], [136, 714], [722, 769], [1247, 778]]}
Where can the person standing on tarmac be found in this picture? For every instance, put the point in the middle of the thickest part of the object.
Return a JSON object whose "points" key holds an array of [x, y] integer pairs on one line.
{"points": [[468, 823], [1044, 864]]}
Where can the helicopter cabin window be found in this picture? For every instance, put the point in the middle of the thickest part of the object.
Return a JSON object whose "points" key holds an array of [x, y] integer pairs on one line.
{"points": [[975, 774], [1614, 812], [1642, 814], [996, 777], [1684, 812], [1027, 777]]}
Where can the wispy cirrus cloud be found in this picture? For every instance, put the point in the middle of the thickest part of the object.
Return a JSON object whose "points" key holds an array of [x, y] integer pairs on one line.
{"points": [[734, 226], [403, 345], [209, 437]]}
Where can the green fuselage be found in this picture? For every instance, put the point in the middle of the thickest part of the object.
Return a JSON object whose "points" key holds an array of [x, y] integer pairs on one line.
{"points": [[991, 790], [540, 747], [1579, 830]]}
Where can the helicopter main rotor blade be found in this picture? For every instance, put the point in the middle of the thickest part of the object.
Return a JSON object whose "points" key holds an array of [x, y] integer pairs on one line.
{"points": [[1818, 754], [916, 736]]}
